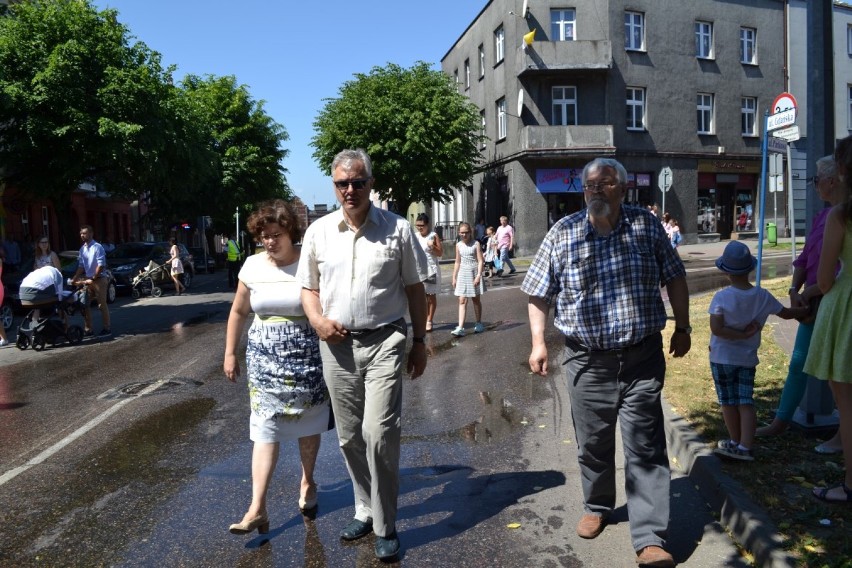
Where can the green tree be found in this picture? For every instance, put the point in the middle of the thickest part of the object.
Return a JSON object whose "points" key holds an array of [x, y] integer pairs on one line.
{"points": [[422, 135], [247, 147], [71, 100]]}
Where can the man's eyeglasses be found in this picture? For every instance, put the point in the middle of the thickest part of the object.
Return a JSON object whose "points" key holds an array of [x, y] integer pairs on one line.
{"points": [[355, 183], [419, 225], [270, 238], [464, 232], [599, 186]]}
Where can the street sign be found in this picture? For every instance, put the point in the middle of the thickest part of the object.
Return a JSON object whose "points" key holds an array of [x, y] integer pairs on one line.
{"points": [[789, 134], [784, 101], [781, 119], [777, 145], [665, 179]]}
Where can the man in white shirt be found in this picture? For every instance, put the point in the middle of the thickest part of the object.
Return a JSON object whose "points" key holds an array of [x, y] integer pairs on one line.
{"points": [[91, 272], [360, 267]]}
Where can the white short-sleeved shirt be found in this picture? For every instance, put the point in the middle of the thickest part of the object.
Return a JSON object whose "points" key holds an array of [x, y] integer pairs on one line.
{"points": [[740, 308], [273, 290], [42, 278], [361, 275]]}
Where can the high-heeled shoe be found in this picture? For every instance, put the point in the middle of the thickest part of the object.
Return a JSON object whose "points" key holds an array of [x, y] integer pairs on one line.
{"points": [[261, 523], [306, 505]]}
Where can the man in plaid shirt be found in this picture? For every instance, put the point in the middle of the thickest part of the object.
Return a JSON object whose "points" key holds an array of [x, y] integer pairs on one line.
{"points": [[603, 267]]}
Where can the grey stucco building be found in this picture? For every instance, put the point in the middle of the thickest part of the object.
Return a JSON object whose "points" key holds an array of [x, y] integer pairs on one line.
{"points": [[653, 83]]}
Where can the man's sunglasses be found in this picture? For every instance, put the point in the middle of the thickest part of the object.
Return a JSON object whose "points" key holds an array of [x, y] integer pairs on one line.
{"points": [[355, 183]]}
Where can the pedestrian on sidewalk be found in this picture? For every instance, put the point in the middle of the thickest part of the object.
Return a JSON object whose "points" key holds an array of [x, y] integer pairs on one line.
{"points": [[505, 244], [468, 281], [805, 291], [737, 314], [434, 249], [829, 357], [613, 359]]}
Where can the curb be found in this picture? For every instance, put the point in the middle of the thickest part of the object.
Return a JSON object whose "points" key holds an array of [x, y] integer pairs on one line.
{"points": [[747, 522]]}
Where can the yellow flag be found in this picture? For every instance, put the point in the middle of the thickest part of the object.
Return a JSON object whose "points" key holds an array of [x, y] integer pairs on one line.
{"points": [[528, 38]]}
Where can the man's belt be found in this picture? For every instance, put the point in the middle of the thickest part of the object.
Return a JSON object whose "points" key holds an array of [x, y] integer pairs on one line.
{"points": [[577, 346]]}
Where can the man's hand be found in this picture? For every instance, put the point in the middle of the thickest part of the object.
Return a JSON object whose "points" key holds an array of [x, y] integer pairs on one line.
{"points": [[330, 331], [680, 344], [416, 360], [538, 360]]}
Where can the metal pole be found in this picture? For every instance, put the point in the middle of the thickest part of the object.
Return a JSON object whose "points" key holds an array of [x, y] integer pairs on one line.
{"points": [[790, 205], [761, 229]]}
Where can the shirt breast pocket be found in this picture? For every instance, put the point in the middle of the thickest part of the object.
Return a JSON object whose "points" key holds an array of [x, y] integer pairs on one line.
{"points": [[384, 263], [581, 276]]}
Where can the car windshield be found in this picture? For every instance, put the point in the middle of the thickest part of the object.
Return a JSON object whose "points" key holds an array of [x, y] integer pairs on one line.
{"points": [[130, 250]]}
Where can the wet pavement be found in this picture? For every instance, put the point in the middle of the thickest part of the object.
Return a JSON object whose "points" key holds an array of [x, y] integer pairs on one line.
{"points": [[135, 452]]}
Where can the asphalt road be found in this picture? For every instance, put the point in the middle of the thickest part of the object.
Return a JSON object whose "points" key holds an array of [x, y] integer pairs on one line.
{"points": [[135, 452]]}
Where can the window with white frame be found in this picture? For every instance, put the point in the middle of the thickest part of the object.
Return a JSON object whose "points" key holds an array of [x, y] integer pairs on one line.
{"points": [[703, 40], [499, 45], [748, 111], [482, 129], [704, 108], [635, 108], [634, 31], [25, 222], [481, 61], [501, 118], [748, 46], [467, 73], [564, 106], [456, 78], [562, 24]]}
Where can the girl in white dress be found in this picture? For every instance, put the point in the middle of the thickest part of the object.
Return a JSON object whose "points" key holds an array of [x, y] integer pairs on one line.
{"points": [[467, 278]]}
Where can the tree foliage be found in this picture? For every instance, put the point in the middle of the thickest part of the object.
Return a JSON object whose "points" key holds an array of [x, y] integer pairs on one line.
{"points": [[422, 134], [80, 103]]}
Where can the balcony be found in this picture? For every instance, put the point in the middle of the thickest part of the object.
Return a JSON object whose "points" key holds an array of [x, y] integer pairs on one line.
{"points": [[561, 140], [544, 57]]}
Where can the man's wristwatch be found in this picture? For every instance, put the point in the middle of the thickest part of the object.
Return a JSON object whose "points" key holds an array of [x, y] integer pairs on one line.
{"points": [[419, 339], [687, 330]]}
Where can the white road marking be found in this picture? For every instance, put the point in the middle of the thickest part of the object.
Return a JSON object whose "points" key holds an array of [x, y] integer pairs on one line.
{"points": [[43, 456]]}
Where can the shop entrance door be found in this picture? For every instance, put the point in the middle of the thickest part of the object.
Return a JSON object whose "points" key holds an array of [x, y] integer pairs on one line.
{"points": [[725, 210]]}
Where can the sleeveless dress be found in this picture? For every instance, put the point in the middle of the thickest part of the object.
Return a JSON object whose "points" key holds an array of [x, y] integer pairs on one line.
{"points": [[433, 283], [467, 271], [829, 356], [283, 362]]}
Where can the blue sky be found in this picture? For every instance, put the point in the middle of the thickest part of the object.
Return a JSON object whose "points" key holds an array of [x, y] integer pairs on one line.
{"points": [[295, 54]]}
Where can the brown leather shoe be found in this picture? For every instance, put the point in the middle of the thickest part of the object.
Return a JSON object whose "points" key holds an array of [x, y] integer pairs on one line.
{"points": [[656, 557], [590, 526]]}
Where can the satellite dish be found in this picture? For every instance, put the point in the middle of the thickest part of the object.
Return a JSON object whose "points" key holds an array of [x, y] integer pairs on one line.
{"points": [[520, 102], [525, 8]]}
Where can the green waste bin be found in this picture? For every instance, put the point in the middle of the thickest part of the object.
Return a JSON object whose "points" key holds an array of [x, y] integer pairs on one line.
{"points": [[772, 233]]}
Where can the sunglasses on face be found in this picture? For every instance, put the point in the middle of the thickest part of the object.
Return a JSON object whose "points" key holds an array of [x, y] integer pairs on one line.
{"points": [[355, 183]]}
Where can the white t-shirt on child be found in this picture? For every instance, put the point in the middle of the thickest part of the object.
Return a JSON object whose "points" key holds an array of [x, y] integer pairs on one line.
{"points": [[740, 308]]}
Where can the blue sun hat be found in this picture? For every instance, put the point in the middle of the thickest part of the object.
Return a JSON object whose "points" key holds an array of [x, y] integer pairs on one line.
{"points": [[736, 259]]}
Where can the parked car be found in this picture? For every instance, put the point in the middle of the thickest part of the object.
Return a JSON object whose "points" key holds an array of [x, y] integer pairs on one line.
{"points": [[128, 259], [198, 260]]}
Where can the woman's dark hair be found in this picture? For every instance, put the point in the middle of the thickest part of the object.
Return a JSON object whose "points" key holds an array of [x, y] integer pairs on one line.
{"points": [[843, 158], [172, 241], [275, 211], [423, 217]]}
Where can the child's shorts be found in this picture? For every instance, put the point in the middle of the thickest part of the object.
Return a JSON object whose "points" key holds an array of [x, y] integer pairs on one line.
{"points": [[734, 384]]}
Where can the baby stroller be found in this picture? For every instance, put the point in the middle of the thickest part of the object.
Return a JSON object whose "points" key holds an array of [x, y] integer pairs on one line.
{"points": [[51, 325], [144, 283]]}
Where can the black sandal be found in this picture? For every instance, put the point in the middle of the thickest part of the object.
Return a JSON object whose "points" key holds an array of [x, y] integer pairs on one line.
{"points": [[822, 494]]}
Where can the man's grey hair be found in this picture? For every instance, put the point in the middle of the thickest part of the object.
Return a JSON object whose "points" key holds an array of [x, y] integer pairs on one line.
{"points": [[356, 155], [600, 163], [827, 166]]}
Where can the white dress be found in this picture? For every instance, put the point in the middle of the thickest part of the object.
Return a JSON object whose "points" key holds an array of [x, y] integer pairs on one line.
{"points": [[467, 271]]}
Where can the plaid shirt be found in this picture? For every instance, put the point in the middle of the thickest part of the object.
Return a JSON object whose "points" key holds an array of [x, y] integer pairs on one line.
{"points": [[607, 289]]}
